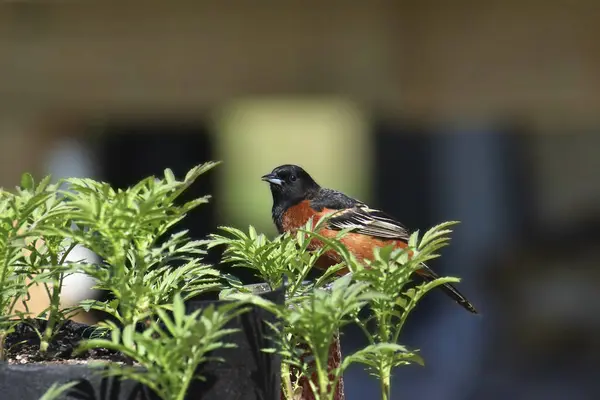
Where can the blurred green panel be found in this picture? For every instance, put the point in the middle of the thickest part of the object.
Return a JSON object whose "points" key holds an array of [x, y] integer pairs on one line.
{"points": [[329, 137]]}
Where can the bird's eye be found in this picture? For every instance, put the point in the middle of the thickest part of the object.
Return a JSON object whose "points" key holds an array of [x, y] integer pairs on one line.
{"points": [[292, 178]]}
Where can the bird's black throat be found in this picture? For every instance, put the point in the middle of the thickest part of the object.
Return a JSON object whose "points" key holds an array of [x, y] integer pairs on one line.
{"points": [[290, 185], [284, 201]]}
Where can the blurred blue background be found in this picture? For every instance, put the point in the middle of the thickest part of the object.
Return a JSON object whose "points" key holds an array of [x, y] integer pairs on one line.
{"points": [[484, 112]]}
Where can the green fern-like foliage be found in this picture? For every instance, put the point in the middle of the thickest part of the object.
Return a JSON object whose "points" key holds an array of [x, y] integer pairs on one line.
{"points": [[315, 312], [27, 258], [284, 258], [127, 229], [12, 283], [151, 272], [168, 352]]}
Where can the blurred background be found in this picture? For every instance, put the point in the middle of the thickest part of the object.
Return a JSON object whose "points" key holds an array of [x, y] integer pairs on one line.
{"points": [[483, 112]]}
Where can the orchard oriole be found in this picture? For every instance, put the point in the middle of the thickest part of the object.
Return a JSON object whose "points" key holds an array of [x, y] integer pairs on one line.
{"points": [[297, 198]]}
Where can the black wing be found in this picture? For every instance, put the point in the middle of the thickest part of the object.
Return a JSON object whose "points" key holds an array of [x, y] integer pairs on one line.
{"points": [[359, 217], [368, 221]]}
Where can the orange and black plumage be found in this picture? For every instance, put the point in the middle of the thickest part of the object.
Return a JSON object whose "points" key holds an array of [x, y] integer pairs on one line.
{"points": [[297, 198]]}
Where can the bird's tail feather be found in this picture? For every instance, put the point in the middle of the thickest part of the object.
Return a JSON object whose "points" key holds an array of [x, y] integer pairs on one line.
{"points": [[427, 274]]}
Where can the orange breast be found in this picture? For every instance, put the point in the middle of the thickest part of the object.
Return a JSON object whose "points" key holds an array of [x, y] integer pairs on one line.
{"points": [[360, 245], [297, 216]]}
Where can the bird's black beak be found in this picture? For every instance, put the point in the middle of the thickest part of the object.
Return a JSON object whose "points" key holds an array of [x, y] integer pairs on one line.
{"points": [[272, 178]]}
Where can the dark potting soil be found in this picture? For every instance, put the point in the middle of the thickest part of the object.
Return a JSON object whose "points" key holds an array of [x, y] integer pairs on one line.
{"points": [[23, 345]]}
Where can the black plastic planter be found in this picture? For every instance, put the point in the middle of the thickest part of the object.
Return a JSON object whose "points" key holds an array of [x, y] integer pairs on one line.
{"points": [[247, 373], [30, 382]]}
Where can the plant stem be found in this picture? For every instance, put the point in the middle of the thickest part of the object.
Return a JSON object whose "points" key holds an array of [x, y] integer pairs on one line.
{"points": [[187, 378], [54, 306], [385, 384], [5, 255], [335, 384], [287, 381], [14, 303], [54, 295], [2, 339], [384, 322], [322, 376], [409, 306], [364, 329]]}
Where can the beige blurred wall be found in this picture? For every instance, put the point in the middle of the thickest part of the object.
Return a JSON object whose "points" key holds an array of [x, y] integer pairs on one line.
{"points": [[437, 56], [435, 59]]}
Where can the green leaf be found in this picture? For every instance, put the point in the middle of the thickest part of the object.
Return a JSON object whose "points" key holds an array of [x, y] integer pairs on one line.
{"points": [[27, 181], [388, 355], [170, 178], [127, 336], [342, 283], [43, 184], [57, 390], [424, 288], [178, 308], [249, 298], [233, 280]]}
